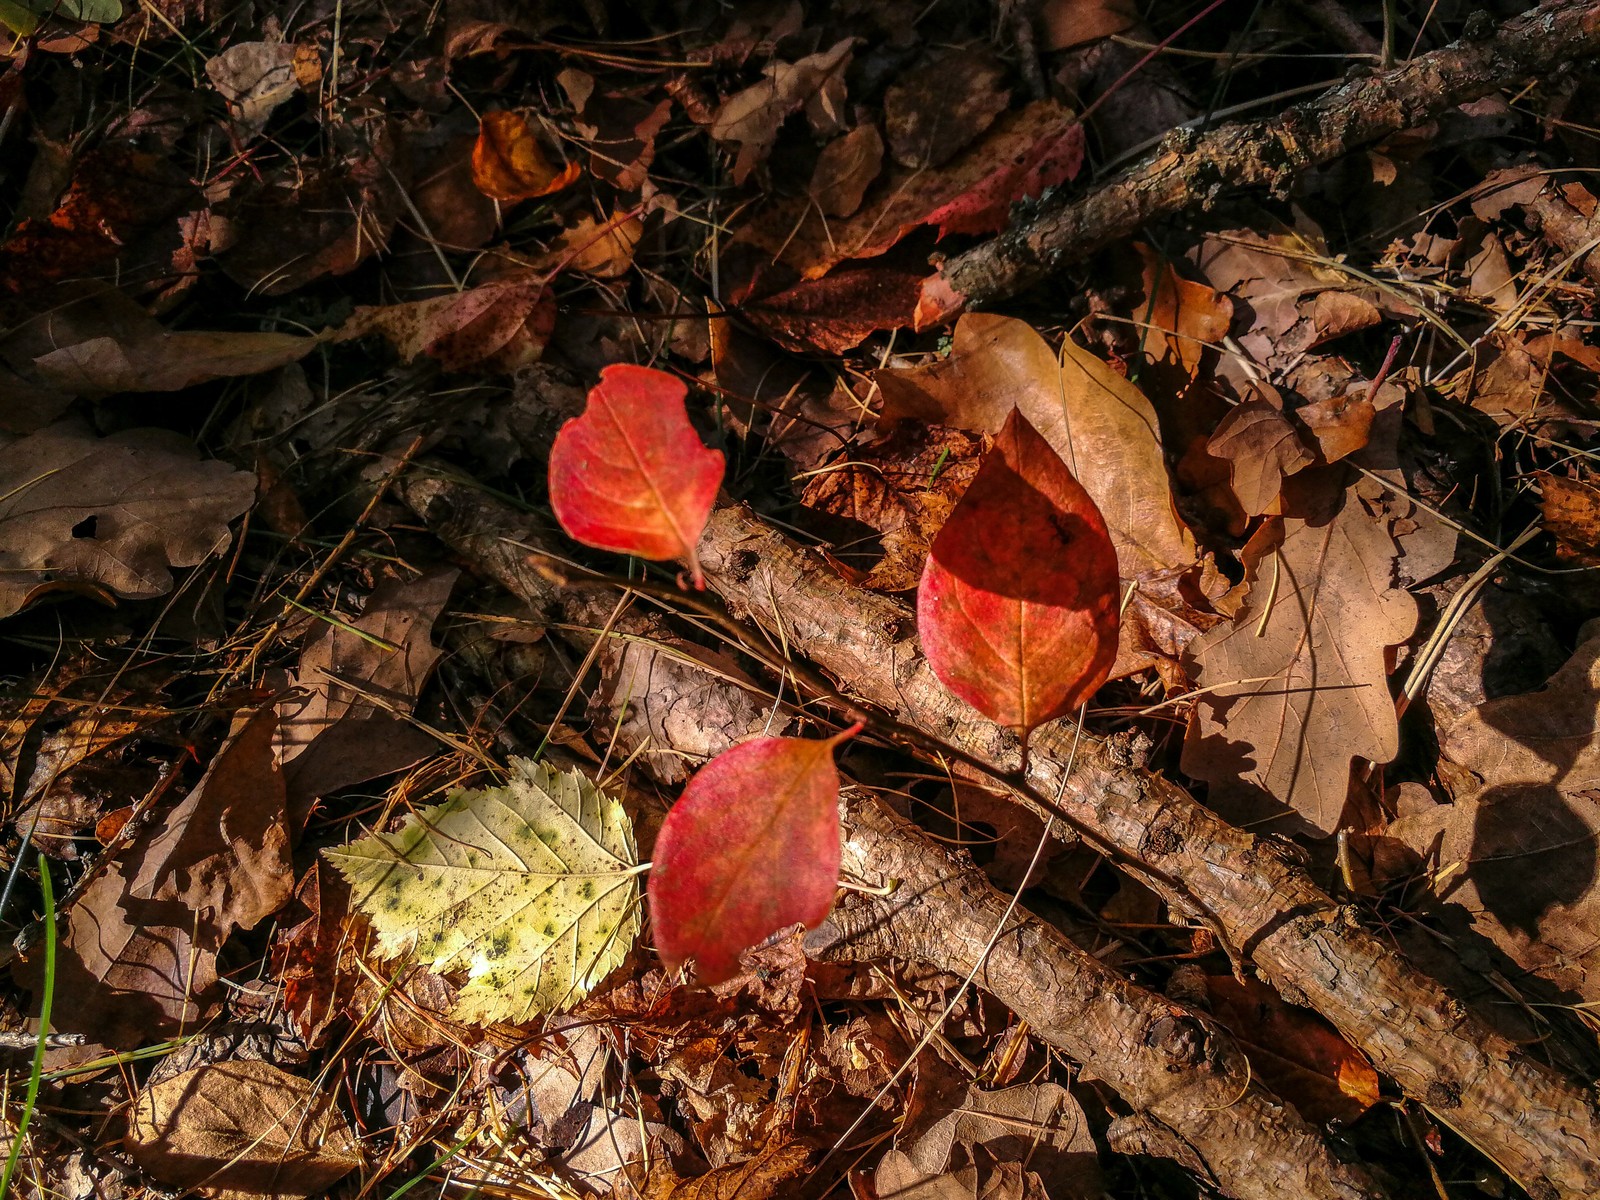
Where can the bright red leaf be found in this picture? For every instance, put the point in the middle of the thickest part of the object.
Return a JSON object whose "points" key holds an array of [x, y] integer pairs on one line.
{"points": [[630, 474], [751, 847], [1018, 602]]}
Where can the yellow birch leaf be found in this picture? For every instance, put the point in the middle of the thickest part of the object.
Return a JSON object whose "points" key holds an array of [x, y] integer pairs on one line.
{"points": [[530, 888]]}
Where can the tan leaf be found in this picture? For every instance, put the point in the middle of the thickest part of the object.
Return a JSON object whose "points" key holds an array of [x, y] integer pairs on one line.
{"points": [[1184, 317], [1340, 425], [1068, 23], [1297, 685], [1260, 448], [933, 112], [773, 1172], [109, 514], [602, 248], [242, 1129], [1519, 854], [344, 722]]}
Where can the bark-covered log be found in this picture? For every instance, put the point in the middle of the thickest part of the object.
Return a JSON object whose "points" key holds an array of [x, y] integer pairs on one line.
{"points": [[1192, 170], [1541, 1127]]}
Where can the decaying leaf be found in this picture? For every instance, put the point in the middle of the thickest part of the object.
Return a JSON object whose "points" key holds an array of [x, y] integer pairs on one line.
{"points": [[1571, 511], [508, 164], [1296, 686], [838, 311], [241, 1130], [254, 78], [845, 169], [1018, 603], [903, 486], [529, 888], [631, 475], [109, 516], [935, 111], [750, 848], [496, 326]]}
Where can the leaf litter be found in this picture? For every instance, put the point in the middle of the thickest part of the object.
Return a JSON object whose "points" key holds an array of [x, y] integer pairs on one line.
{"points": [[304, 262]]}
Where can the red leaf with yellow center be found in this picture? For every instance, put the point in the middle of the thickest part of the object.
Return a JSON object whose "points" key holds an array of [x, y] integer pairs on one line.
{"points": [[1018, 602], [631, 474], [750, 848]]}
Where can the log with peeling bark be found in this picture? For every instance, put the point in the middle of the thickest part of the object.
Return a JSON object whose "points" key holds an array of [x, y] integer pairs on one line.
{"points": [[1189, 1085], [1542, 1128], [1192, 170]]}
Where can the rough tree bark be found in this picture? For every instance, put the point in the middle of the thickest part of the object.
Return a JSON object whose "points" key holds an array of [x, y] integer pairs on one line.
{"points": [[1186, 1078], [1191, 170], [1541, 1127]]}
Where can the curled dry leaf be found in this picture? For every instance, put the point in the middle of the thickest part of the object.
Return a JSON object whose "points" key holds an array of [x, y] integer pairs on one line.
{"points": [[240, 1130], [110, 516], [1017, 608], [630, 474], [750, 848], [508, 164]]}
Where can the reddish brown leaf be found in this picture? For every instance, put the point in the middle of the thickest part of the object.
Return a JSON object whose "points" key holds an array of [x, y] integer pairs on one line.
{"points": [[508, 163], [630, 474], [835, 313], [1571, 511], [497, 326], [751, 847], [1296, 1053], [1018, 602], [1023, 153]]}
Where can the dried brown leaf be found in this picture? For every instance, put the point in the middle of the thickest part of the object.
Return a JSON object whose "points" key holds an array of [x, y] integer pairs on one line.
{"points": [[933, 112], [241, 1130], [345, 721], [845, 169], [1261, 448], [750, 119], [109, 515], [1297, 685]]}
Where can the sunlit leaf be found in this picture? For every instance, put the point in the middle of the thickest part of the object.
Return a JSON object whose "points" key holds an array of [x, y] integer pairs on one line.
{"points": [[528, 888], [1017, 608], [750, 848], [630, 474]]}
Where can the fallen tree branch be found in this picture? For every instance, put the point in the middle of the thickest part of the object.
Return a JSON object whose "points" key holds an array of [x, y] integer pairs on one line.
{"points": [[1175, 1067], [1185, 1078], [1191, 170], [1541, 1127]]}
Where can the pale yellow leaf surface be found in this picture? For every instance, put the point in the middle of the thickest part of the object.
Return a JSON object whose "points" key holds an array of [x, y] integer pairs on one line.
{"points": [[529, 888]]}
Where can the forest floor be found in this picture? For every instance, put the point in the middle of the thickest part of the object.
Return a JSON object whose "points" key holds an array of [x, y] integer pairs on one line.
{"points": [[294, 302]]}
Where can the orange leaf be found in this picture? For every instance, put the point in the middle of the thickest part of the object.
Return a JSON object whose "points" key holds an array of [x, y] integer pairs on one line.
{"points": [[750, 848], [1018, 602], [630, 474], [509, 164]]}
